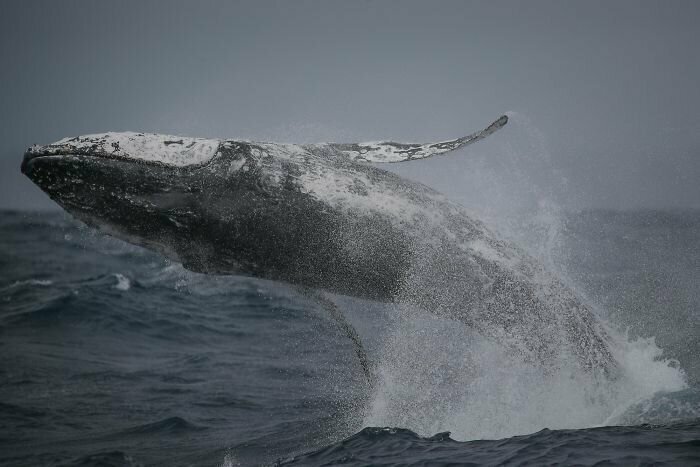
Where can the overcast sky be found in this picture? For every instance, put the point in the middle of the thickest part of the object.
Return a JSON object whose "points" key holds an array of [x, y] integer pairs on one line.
{"points": [[611, 89]]}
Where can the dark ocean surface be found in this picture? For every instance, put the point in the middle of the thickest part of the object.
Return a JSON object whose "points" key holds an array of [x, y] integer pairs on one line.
{"points": [[112, 356]]}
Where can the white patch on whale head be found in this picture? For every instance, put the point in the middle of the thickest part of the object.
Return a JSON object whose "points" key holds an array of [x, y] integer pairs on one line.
{"points": [[167, 149]]}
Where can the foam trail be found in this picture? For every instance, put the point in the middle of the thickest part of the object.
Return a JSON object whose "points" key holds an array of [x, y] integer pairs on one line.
{"points": [[39, 282]]}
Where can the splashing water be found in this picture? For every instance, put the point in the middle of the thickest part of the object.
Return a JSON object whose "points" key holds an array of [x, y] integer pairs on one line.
{"points": [[438, 375]]}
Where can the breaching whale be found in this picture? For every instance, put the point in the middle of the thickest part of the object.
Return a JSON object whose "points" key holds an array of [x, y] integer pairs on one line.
{"points": [[321, 217]]}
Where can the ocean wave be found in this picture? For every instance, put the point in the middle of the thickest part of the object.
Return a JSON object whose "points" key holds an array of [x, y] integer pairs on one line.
{"points": [[613, 446]]}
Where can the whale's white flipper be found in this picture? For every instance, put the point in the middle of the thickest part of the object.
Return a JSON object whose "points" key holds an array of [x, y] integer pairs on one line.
{"points": [[401, 152]]}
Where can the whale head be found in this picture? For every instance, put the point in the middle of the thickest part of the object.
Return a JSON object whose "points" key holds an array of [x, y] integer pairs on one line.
{"points": [[139, 187]]}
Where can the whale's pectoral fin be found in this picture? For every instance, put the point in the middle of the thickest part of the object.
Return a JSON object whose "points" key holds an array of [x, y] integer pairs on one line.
{"points": [[400, 152], [344, 325]]}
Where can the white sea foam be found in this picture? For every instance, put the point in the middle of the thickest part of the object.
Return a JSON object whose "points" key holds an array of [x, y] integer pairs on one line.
{"points": [[230, 461], [123, 282], [39, 282]]}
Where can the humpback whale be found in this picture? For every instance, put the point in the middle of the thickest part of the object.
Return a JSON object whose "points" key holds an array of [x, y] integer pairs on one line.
{"points": [[322, 217]]}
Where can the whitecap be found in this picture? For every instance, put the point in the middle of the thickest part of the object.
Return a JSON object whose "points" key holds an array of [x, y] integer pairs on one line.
{"points": [[123, 282], [39, 282]]}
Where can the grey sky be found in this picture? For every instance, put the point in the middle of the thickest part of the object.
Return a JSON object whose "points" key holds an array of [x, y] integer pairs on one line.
{"points": [[613, 88]]}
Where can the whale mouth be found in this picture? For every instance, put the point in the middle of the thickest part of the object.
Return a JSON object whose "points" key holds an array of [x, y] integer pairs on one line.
{"points": [[52, 152], [48, 158], [32, 155]]}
